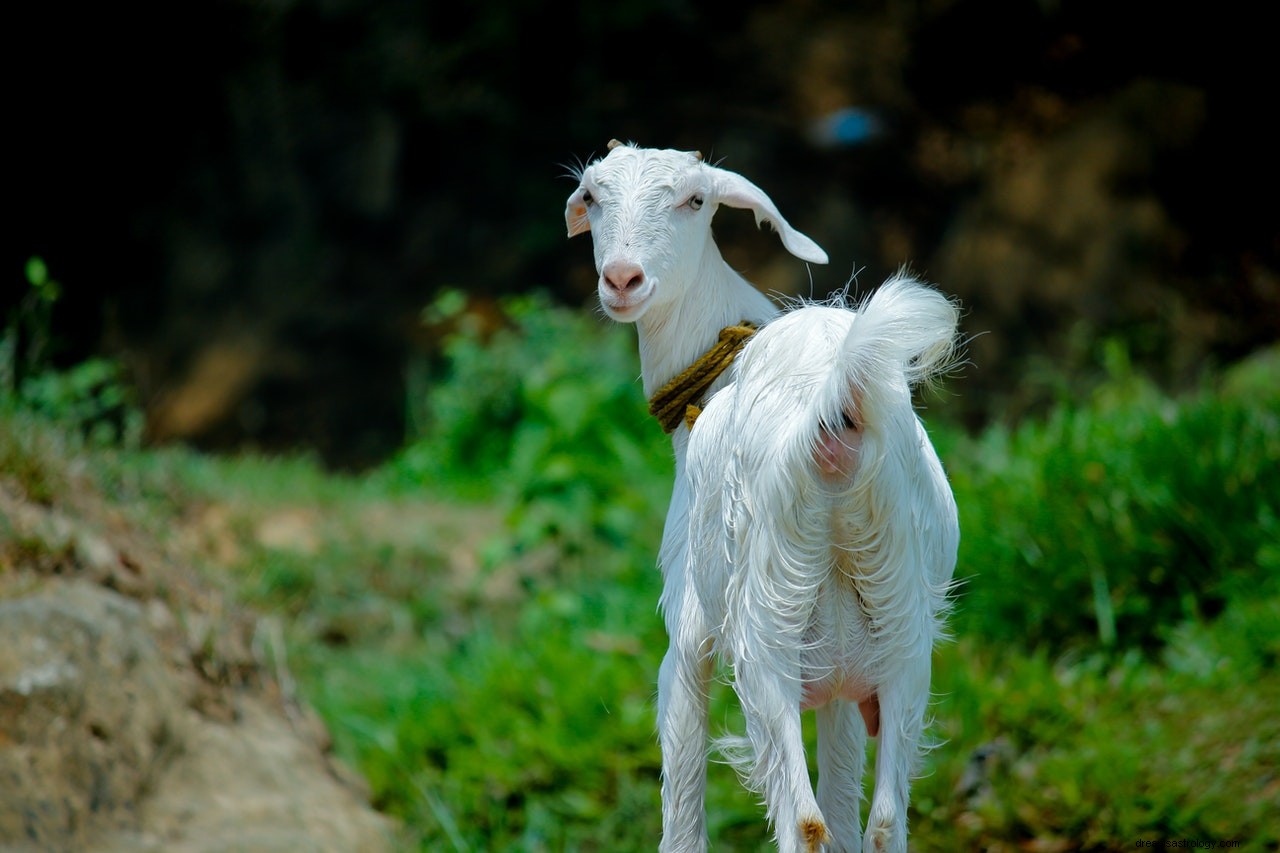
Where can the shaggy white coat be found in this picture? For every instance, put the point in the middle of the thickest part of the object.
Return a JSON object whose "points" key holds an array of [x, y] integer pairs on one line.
{"points": [[824, 530], [824, 539]]}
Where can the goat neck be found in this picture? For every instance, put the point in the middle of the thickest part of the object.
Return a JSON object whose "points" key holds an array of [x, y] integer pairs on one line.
{"points": [[675, 334]]}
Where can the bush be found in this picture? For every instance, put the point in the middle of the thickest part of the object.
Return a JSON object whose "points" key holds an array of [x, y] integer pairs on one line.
{"points": [[548, 413], [1112, 522]]}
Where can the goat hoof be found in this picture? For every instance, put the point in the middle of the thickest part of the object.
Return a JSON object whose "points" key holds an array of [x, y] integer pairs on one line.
{"points": [[884, 839], [814, 834]]}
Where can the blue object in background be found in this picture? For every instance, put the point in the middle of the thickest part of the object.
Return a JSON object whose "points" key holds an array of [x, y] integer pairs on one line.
{"points": [[846, 127]]}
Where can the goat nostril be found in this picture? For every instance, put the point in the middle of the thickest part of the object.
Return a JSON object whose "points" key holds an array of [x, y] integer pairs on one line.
{"points": [[622, 278]]}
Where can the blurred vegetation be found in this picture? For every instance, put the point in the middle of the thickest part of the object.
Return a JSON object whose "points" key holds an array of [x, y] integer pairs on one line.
{"points": [[92, 395], [476, 620], [546, 427], [1141, 509], [331, 165]]}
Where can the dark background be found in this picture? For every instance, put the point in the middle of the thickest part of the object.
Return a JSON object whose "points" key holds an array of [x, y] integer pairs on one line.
{"points": [[248, 204]]}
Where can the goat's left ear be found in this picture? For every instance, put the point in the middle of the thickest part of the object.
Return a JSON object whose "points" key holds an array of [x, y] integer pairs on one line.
{"points": [[575, 213], [736, 191]]}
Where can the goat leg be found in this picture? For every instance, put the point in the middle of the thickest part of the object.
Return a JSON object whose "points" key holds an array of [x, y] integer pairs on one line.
{"points": [[842, 745], [683, 683]]}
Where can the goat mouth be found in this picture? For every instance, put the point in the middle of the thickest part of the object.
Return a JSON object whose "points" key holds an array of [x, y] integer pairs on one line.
{"points": [[627, 307], [623, 311]]}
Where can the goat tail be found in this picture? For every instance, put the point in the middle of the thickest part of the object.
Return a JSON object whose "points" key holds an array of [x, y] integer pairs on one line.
{"points": [[906, 328]]}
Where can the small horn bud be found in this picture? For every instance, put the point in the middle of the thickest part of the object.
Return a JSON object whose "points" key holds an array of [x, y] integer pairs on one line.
{"points": [[697, 155], [613, 143]]}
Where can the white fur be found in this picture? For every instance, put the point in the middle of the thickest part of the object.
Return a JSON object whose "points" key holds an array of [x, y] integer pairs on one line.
{"points": [[822, 550]]}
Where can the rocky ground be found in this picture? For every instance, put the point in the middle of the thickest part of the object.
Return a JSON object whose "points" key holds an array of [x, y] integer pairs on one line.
{"points": [[141, 709]]}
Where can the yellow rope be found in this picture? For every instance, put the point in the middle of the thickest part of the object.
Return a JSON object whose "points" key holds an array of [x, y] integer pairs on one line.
{"points": [[679, 400]]}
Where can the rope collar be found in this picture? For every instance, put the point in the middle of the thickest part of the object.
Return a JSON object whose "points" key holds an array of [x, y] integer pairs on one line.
{"points": [[680, 400]]}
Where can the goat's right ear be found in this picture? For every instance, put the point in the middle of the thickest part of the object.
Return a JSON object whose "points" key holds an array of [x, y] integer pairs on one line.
{"points": [[736, 191], [575, 213]]}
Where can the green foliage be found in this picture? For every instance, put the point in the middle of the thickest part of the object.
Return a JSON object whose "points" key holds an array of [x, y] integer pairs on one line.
{"points": [[27, 338], [1120, 553], [536, 734], [1112, 522], [91, 397], [548, 413], [490, 666], [1096, 754]]}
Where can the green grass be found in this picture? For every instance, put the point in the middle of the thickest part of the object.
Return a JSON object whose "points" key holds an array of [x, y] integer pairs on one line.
{"points": [[1096, 754], [530, 726], [477, 623]]}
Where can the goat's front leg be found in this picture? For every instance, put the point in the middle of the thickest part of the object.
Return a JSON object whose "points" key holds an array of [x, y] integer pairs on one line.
{"points": [[683, 682], [903, 703], [842, 756]]}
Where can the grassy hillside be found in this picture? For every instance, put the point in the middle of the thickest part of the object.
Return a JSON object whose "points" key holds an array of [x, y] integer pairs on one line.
{"points": [[476, 621]]}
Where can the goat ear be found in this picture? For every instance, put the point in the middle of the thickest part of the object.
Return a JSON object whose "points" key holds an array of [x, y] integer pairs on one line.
{"points": [[575, 213], [736, 191]]}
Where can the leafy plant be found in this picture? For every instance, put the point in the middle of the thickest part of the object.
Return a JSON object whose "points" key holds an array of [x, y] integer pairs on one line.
{"points": [[28, 333], [548, 412], [1110, 522], [91, 397]]}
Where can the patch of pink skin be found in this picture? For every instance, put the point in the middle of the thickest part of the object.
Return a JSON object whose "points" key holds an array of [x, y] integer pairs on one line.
{"points": [[837, 452], [868, 705]]}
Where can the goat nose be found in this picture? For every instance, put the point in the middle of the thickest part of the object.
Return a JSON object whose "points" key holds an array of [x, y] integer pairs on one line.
{"points": [[623, 276]]}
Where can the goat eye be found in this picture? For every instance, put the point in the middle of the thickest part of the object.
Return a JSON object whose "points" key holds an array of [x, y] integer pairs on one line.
{"points": [[694, 202], [587, 198]]}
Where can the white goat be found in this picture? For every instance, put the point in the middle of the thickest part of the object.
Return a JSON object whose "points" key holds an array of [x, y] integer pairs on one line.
{"points": [[811, 535]]}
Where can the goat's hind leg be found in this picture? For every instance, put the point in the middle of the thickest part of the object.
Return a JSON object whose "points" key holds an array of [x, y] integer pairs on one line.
{"points": [[771, 705], [842, 756], [903, 703]]}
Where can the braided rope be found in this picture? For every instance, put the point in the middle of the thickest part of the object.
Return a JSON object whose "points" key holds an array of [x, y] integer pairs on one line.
{"points": [[679, 400]]}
